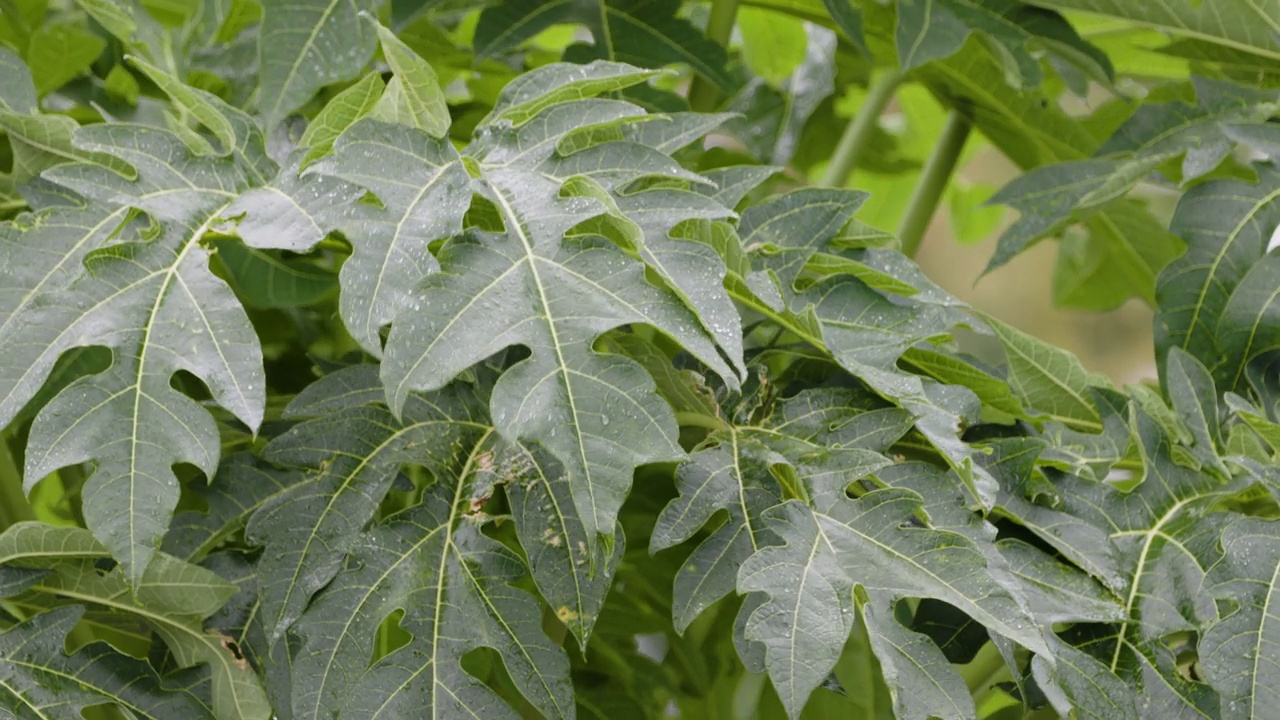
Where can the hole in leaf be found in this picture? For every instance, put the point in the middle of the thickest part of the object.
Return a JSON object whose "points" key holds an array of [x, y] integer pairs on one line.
{"points": [[485, 665], [956, 634], [483, 215], [6, 155], [190, 385], [390, 637]]}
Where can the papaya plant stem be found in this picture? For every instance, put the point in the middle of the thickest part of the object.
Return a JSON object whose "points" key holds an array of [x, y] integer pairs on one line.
{"points": [[933, 181], [858, 133], [724, 13], [14, 506]]}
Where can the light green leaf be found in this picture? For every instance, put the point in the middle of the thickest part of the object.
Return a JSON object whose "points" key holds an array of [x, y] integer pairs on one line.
{"points": [[531, 93], [773, 118], [40, 142], [344, 109], [59, 53], [306, 45], [173, 598], [419, 90], [773, 45], [121, 85]]}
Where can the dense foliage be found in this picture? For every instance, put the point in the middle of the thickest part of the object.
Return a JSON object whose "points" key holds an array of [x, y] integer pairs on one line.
{"points": [[531, 358]]}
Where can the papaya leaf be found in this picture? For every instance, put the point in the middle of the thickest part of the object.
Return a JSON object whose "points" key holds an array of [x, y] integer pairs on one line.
{"points": [[34, 664], [173, 599], [354, 454], [530, 285], [305, 46], [153, 301], [1227, 225], [645, 33], [1237, 648], [458, 591]]}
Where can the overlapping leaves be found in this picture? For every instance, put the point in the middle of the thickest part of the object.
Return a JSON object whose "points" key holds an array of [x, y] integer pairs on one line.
{"points": [[559, 304], [528, 284]]}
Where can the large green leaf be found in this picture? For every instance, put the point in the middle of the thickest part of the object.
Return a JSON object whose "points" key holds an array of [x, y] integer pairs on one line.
{"points": [[1165, 545], [864, 328], [151, 299], [645, 33], [422, 201], [530, 285], [59, 52], [809, 581]]}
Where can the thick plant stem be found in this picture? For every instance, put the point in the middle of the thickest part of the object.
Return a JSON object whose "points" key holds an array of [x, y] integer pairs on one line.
{"points": [[858, 133], [702, 94], [14, 507], [933, 181]]}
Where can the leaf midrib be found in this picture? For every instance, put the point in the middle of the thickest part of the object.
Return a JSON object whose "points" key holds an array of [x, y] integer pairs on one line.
{"points": [[518, 229]]}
